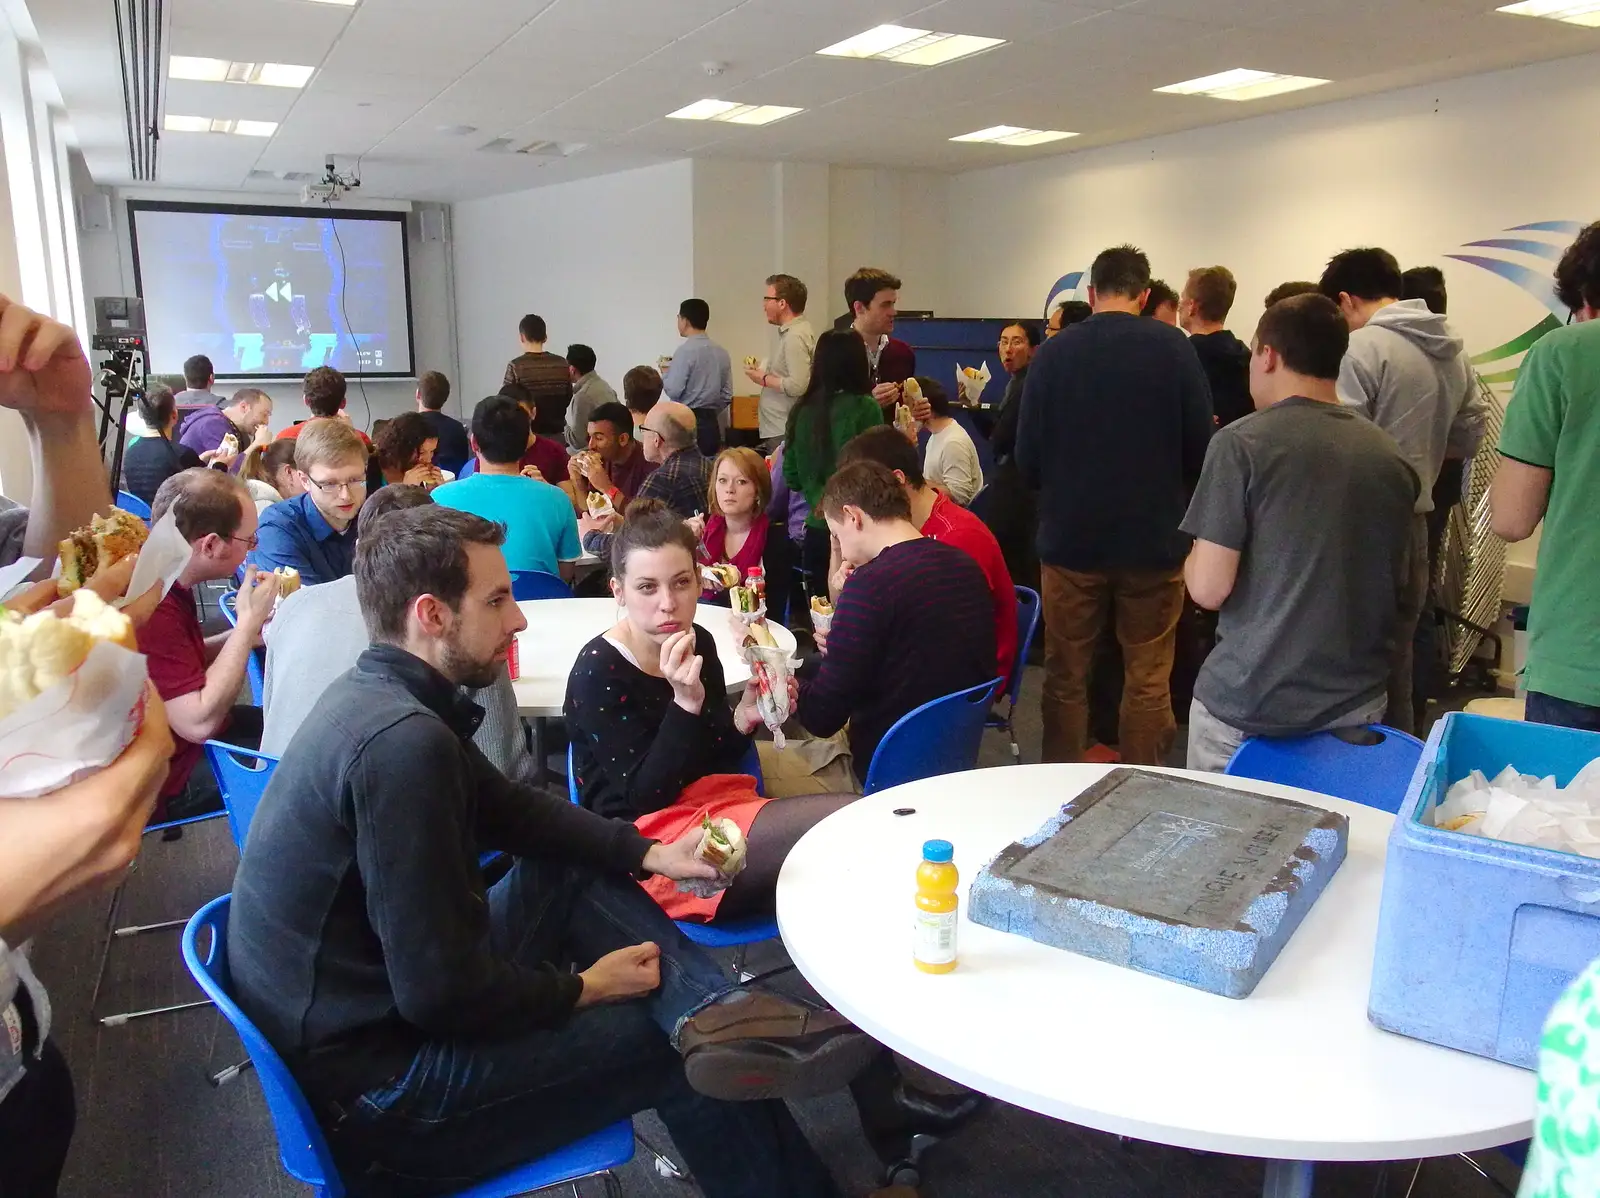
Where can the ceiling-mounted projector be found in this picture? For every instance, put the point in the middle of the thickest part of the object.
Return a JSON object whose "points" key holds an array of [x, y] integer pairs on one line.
{"points": [[331, 187]]}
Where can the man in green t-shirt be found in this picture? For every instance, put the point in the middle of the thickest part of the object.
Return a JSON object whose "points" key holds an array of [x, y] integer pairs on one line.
{"points": [[1550, 470]]}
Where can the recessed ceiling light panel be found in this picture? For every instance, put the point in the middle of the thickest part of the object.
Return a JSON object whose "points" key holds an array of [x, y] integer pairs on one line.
{"points": [[1242, 84], [914, 47], [732, 113], [205, 124], [1573, 12], [1015, 135], [220, 70]]}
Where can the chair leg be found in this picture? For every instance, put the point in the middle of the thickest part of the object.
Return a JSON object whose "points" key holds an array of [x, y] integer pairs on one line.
{"points": [[665, 1166], [1481, 1172], [105, 947], [142, 928], [126, 1016], [232, 1071]]}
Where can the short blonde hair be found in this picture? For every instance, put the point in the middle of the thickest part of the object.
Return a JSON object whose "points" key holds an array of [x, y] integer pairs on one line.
{"points": [[750, 464], [324, 442]]}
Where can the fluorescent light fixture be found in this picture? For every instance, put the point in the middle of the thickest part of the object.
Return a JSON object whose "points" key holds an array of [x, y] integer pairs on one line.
{"points": [[220, 70], [206, 124], [736, 114], [1015, 135], [1573, 12], [1242, 84], [341, 3], [914, 47]]}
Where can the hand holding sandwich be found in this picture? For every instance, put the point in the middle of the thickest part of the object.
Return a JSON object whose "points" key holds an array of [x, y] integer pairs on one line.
{"points": [[253, 604], [681, 666]]}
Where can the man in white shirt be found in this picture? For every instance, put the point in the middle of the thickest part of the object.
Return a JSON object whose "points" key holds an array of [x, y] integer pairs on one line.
{"points": [[950, 461], [787, 374]]}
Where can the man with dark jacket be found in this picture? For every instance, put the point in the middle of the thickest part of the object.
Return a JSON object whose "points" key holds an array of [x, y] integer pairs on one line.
{"points": [[1207, 299], [1115, 421]]}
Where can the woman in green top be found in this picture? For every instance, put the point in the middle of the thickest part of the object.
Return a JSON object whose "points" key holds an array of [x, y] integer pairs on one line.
{"points": [[835, 407]]}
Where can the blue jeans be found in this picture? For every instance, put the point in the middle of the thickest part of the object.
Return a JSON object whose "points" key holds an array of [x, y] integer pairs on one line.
{"points": [[470, 1109], [1547, 709]]}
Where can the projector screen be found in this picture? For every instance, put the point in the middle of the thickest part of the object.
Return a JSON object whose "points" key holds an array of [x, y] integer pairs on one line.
{"points": [[272, 292]]}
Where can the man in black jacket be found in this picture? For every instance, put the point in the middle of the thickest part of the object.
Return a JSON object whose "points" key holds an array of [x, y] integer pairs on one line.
{"points": [[1115, 421], [444, 1031], [1207, 300]]}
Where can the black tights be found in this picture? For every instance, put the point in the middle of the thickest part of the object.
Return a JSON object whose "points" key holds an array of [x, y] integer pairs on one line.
{"points": [[36, 1121], [777, 828]]}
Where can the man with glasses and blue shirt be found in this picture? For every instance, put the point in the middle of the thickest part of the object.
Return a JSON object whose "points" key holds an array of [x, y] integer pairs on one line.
{"points": [[315, 533]]}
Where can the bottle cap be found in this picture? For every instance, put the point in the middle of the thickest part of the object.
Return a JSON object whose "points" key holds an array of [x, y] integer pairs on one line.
{"points": [[938, 851]]}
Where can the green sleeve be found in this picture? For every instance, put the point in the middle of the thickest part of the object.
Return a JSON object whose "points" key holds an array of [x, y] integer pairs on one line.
{"points": [[1537, 409], [866, 415]]}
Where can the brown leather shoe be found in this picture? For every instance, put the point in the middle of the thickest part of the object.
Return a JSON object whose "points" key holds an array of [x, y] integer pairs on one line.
{"points": [[766, 1046]]}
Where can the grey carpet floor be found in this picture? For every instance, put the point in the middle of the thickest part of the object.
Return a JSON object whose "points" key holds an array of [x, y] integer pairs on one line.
{"points": [[151, 1124]]}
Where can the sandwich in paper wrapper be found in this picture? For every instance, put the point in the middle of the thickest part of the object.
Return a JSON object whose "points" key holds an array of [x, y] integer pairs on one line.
{"points": [[769, 666], [747, 603], [72, 687], [720, 576], [721, 845], [600, 505], [821, 615], [972, 381]]}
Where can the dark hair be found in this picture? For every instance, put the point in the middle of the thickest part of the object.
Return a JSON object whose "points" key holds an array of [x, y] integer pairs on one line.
{"points": [[197, 371], [649, 524], [868, 486], [860, 287], [414, 552], [243, 395], [324, 391], [1160, 293], [1030, 330], [1213, 289], [433, 389], [933, 391], [1284, 290], [206, 502], [531, 328], [696, 312], [1074, 312], [887, 446], [1426, 283], [1122, 270], [1578, 272], [1309, 333], [641, 389], [790, 290], [839, 367], [1366, 274], [262, 462], [614, 414], [522, 397], [398, 498], [156, 406], [500, 430], [398, 443], [581, 358]]}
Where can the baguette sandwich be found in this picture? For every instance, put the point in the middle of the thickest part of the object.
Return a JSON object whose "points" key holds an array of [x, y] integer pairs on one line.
{"points": [[724, 574], [288, 581], [911, 391], [599, 504], [99, 546], [721, 845], [752, 362], [744, 600], [821, 606], [41, 650], [761, 636]]}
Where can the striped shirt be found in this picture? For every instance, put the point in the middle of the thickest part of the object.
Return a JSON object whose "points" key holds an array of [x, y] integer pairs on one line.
{"points": [[546, 379], [913, 624]]}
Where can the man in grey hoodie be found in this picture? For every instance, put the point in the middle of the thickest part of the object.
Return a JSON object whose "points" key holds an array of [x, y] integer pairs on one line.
{"points": [[1408, 371]]}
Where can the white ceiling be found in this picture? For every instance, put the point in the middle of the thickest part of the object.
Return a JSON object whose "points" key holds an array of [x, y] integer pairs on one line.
{"points": [[601, 74]]}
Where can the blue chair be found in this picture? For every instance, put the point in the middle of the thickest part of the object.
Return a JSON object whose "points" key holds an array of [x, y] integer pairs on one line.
{"points": [[468, 468], [940, 737], [301, 1146], [1027, 628], [241, 784], [255, 666], [738, 935], [133, 505], [1371, 766], [536, 584]]}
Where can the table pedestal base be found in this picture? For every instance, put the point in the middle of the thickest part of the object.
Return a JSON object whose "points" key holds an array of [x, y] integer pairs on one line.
{"points": [[1288, 1179]]}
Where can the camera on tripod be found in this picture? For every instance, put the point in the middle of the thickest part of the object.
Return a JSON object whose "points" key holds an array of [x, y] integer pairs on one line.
{"points": [[119, 331]]}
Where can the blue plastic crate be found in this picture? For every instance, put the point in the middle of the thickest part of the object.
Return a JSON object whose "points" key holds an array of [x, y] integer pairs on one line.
{"points": [[1477, 938]]}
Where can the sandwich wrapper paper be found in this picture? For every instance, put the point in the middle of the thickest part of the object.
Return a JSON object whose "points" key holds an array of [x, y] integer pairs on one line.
{"points": [[15, 575], [972, 385], [1526, 810], [161, 560]]}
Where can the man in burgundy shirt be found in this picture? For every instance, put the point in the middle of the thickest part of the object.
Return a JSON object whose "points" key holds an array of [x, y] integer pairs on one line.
{"points": [[939, 518], [872, 295], [614, 464], [199, 677]]}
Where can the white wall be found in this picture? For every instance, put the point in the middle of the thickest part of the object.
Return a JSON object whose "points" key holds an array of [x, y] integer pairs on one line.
{"points": [[1420, 171], [107, 258], [605, 261]]}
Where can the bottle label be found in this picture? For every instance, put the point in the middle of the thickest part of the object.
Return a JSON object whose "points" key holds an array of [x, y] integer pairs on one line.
{"points": [[934, 941]]}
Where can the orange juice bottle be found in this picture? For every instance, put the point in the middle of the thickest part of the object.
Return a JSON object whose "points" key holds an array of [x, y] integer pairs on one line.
{"points": [[933, 948]]}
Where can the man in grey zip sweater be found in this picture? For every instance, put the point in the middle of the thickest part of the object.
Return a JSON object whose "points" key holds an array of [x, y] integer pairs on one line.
{"points": [[1407, 371]]}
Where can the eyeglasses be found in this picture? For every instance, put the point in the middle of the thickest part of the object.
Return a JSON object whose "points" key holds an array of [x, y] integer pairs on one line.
{"points": [[333, 486], [769, 299], [250, 543]]}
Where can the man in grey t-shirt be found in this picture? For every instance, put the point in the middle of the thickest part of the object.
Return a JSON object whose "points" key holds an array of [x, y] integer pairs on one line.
{"points": [[1302, 533]]}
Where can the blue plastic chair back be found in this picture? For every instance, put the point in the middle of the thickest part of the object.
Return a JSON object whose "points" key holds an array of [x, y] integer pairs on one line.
{"points": [[1028, 609], [468, 468], [301, 1147], [133, 505], [255, 666], [241, 784], [1375, 775], [940, 737], [536, 584]]}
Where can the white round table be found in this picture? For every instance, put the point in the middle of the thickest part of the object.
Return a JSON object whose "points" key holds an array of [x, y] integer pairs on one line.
{"points": [[558, 629], [1293, 1074]]}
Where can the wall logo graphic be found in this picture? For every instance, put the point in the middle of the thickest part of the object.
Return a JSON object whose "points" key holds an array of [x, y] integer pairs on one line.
{"points": [[1537, 283]]}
